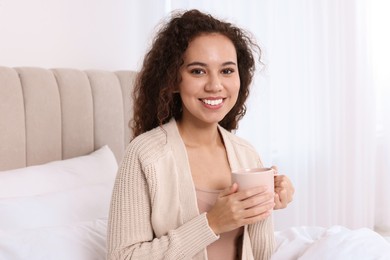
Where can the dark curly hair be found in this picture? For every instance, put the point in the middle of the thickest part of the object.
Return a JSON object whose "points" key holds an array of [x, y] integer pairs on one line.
{"points": [[155, 102]]}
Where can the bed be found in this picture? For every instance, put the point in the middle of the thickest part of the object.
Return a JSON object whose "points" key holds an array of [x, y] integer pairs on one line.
{"points": [[62, 134]]}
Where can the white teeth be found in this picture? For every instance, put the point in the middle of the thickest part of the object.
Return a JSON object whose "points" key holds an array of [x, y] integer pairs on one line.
{"points": [[213, 102]]}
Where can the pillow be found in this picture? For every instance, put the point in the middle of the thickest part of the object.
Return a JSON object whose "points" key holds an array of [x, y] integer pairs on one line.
{"points": [[81, 241], [98, 167], [58, 193], [57, 210]]}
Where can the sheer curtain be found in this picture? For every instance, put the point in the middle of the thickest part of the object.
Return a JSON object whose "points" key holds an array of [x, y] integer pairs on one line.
{"points": [[312, 111], [380, 56], [316, 116]]}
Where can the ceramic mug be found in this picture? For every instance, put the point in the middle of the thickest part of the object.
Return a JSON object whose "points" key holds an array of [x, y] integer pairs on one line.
{"points": [[249, 178]]}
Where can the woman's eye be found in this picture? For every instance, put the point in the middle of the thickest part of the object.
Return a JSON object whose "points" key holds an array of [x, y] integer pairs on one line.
{"points": [[197, 71], [227, 71]]}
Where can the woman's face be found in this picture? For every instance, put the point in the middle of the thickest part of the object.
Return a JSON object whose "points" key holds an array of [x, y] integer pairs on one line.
{"points": [[210, 80]]}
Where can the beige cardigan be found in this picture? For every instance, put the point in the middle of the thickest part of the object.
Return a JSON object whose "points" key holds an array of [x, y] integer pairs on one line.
{"points": [[154, 212]]}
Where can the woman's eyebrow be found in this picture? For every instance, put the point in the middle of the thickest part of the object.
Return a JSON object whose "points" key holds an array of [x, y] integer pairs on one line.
{"points": [[229, 63], [198, 63]]}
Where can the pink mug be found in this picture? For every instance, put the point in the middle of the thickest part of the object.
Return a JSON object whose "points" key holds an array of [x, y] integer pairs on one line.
{"points": [[249, 178]]}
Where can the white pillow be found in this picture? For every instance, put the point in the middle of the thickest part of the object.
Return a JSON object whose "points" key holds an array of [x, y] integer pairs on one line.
{"points": [[98, 167], [57, 210], [82, 241]]}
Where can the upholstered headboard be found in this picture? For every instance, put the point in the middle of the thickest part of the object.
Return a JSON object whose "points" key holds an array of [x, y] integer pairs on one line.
{"points": [[55, 114]]}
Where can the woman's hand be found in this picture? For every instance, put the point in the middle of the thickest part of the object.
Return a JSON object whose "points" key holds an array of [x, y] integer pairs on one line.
{"points": [[284, 190], [234, 209]]}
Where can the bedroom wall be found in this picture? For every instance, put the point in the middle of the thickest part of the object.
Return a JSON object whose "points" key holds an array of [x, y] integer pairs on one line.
{"points": [[97, 34]]}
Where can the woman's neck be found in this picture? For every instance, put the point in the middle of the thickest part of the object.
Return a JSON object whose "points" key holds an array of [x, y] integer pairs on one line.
{"points": [[196, 135]]}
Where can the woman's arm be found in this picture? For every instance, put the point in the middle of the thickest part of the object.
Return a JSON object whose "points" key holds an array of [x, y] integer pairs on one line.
{"points": [[130, 230]]}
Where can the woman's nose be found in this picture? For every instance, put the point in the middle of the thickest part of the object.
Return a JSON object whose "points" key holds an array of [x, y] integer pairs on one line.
{"points": [[214, 84]]}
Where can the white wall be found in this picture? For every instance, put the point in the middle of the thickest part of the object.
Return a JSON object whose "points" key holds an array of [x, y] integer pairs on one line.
{"points": [[84, 34]]}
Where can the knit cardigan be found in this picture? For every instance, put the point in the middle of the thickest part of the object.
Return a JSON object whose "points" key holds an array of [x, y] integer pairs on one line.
{"points": [[154, 212]]}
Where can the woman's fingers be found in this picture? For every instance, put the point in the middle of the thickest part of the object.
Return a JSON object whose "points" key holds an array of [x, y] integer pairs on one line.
{"points": [[257, 200], [234, 209], [251, 203], [284, 191]]}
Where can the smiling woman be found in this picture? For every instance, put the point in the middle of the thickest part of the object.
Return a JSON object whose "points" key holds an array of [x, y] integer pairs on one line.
{"points": [[174, 197]]}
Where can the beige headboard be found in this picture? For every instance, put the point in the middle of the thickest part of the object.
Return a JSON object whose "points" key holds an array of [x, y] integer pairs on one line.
{"points": [[54, 114]]}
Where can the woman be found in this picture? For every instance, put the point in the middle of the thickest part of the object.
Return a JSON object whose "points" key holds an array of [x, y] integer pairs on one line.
{"points": [[173, 197]]}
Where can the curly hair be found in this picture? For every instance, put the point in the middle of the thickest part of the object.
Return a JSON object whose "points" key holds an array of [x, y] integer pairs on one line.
{"points": [[155, 100]]}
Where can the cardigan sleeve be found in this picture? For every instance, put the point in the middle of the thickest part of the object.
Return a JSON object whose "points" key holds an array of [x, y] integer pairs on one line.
{"points": [[262, 238], [130, 230]]}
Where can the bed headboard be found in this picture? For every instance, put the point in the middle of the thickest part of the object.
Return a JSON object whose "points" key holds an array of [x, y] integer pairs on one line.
{"points": [[55, 114]]}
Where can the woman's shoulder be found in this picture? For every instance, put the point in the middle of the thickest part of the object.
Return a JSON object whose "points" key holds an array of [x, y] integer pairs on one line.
{"points": [[148, 146]]}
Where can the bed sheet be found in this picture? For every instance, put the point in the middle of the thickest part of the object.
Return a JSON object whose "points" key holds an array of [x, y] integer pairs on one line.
{"points": [[87, 241], [333, 243]]}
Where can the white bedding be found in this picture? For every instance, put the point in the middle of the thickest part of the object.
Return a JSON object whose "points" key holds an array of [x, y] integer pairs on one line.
{"points": [[334, 243], [59, 211], [77, 241], [87, 241]]}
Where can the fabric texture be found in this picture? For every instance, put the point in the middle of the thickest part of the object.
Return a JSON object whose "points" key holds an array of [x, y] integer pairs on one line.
{"points": [[56, 114], [331, 243], [77, 241], [57, 193], [98, 167], [57, 210], [154, 213]]}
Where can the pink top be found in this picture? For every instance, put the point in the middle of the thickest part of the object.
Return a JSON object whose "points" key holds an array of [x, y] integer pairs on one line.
{"points": [[226, 246]]}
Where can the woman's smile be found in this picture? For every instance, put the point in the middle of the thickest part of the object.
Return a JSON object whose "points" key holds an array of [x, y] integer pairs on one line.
{"points": [[212, 102]]}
